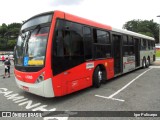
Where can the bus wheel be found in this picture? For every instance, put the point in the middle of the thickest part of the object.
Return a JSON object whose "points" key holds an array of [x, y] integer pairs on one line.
{"points": [[147, 63], [97, 77], [144, 63]]}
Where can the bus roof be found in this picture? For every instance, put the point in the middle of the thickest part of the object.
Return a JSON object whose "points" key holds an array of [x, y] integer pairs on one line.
{"points": [[88, 22], [103, 26], [132, 33], [41, 14]]}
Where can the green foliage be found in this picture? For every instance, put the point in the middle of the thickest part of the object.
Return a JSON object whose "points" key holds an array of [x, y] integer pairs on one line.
{"points": [[14, 25], [146, 27], [3, 30], [11, 44], [2, 44], [8, 35], [7, 45], [157, 53]]}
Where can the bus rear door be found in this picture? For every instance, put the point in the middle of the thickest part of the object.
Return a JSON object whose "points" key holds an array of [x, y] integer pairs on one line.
{"points": [[117, 53]]}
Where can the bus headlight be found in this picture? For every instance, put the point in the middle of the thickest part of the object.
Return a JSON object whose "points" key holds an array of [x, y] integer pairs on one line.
{"points": [[40, 78]]}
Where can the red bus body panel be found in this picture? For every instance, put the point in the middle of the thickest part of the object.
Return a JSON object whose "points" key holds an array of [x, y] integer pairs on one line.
{"points": [[28, 77], [79, 77]]}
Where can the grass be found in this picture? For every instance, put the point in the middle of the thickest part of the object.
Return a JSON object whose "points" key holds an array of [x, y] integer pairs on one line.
{"points": [[157, 53]]}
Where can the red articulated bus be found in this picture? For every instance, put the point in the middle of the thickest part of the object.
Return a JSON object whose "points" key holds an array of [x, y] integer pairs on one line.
{"points": [[58, 53]]}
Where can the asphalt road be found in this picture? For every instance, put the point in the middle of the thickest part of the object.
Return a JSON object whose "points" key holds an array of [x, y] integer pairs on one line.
{"points": [[135, 91]]}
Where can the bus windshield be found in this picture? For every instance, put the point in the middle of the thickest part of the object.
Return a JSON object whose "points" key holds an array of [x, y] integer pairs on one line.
{"points": [[31, 47]]}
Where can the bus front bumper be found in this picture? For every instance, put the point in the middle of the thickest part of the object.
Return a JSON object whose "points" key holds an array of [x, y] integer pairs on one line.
{"points": [[43, 88]]}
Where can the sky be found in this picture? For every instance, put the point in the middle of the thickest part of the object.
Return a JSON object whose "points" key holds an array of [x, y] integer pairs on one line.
{"points": [[110, 12]]}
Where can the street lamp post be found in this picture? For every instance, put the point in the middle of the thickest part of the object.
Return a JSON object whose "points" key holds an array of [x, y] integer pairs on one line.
{"points": [[159, 31]]}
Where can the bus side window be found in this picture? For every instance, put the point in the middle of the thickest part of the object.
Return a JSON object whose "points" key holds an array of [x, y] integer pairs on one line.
{"points": [[73, 40], [58, 39], [149, 44], [102, 44], [67, 43], [87, 38], [131, 45], [144, 44], [58, 46], [125, 45]]}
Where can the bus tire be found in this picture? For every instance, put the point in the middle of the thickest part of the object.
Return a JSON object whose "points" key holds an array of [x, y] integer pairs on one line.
{"points": [[97, 77], [147, 62], [144, 63]]}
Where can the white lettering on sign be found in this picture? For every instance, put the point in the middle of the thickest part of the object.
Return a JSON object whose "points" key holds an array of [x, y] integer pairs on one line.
{"points": [[29, 77], [90, 65], [21, 100]]}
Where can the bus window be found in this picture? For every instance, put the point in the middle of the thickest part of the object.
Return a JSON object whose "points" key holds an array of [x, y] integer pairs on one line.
{"points": [[103, 37], [69, 40], [125, 47], [125, 40], [130, 40], [67, 43], [144, 44], [149, 44], [74, 39], [87, 38], [68, 47], [128, 45], [58, 46], [102, 45]]}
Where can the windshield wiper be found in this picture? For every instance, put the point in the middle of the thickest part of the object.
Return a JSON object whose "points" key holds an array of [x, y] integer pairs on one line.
{"points": [[37, 27], [29, 35], [23, 32]]}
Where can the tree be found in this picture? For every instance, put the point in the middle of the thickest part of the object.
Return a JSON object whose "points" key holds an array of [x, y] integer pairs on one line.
{"points": [[11, 44], [3, 29], [2, 44], [146, 27], [13, 29], [8, 35]]}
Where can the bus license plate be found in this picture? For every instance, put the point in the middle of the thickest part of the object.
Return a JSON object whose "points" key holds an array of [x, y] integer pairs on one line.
{"points": [[25, 88]]}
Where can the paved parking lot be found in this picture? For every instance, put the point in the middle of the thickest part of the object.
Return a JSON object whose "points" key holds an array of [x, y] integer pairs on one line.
{"points": [[135, 91]]}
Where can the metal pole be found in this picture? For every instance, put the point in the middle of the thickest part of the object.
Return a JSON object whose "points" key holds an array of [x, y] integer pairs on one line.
{"points": [[159, 30], [159, 34]]}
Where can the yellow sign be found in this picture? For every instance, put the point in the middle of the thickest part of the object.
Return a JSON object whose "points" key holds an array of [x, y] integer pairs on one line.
{"points": [[35, 62]]}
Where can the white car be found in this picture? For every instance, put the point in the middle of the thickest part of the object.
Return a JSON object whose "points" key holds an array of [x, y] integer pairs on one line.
{"points": [[11, 57]]}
